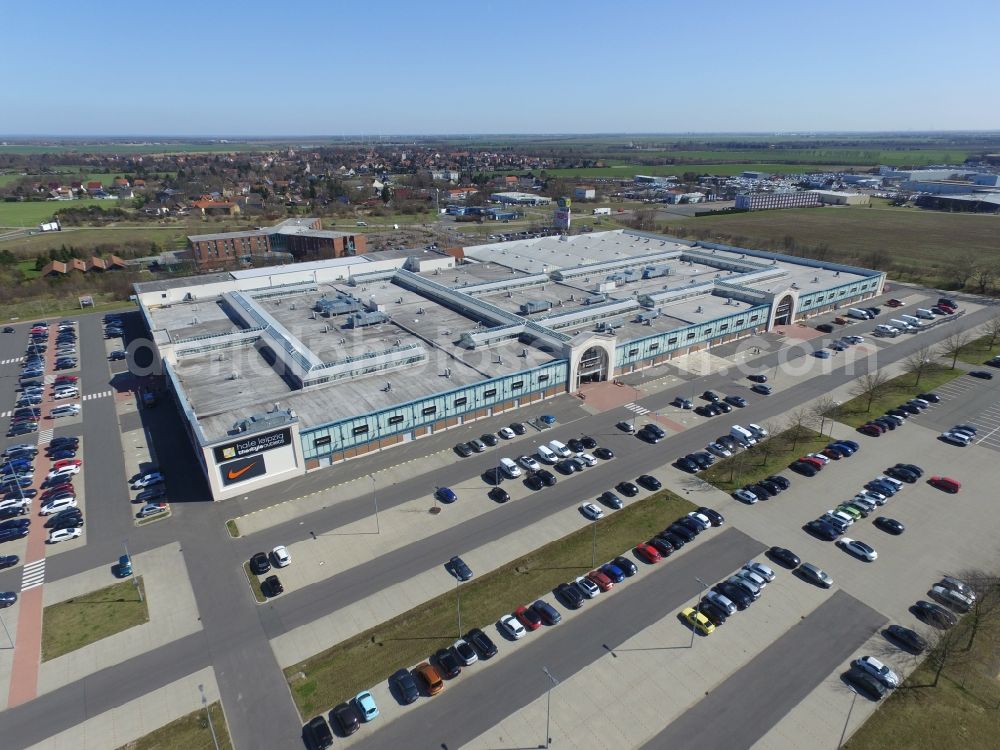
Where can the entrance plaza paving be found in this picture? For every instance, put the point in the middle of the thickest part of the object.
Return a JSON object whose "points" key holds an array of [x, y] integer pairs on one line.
{"points": [[137, 718]]}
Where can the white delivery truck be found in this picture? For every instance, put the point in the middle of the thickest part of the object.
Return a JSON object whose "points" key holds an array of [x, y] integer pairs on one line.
{"points": [[859, 314], [924, 313], [601, 212], [742, 435], [901, 324], [912, 320]]}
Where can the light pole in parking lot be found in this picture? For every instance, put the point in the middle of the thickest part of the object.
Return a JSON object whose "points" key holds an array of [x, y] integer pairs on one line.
{"points": [[697, 610], [378, 529], [9, 639], [211, 726], [135, 576], [548, 704], [848, 720]]}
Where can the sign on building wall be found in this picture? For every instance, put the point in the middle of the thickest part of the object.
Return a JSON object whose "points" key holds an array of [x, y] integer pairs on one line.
{"points": [[242, 469], [253, 445]]}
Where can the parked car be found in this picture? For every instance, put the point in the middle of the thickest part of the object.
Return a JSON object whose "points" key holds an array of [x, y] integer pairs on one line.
{"points": [[816, 574], [484, 645], [865, 684], [512, 627], [909, 639], [318, 734]]}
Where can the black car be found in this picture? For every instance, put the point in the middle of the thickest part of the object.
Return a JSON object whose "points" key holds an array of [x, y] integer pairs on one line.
{"points": [[910, 640], [272, 586], [547, 477], [566, 466], [763, 390], [9, 535], [890, 525], [801, 467], [903, 475], [489, 438], [981, 374], [463, 450], [8, 561], [259, 563], [661, 545], [588, 442], [345, 718], [533, 482], [912, 468], [570, 595], [518, 428], [735, 594], [757, 378], [714, 613], [485, 647], [682, 531], [784, 556], [723, 407], [494, 475], [611, 500], [318, 734], [56, 518], [824, 328], [64, 440], [690, 524], [448, 663], [67, 522], [710, 396], [770, 486], [627, 489], [405, 686], [713, 516], [648, 435], [627, 566], [686, 464], [864, 683], [934, 614], [822, 530], [459, 569], [575, 445], [932, 398], [760, 490], [704, 411], [15, 523], [605, 454], [737, 401], [649, 482], [549, 614], [498, 495]]}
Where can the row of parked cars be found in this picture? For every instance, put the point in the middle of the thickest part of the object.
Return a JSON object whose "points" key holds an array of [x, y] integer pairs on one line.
{"points": [[726, 598], [812, 463], [896, 417], [57, 496], [724, 446], [961, 435], [26, 415]]}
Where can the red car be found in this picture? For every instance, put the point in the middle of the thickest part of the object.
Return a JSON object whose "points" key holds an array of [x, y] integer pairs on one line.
{"points": [[601, 579], [894, 303], [61, 489], [832, 453], [67, 462], [528, 617], [813, 462], [945, 483], [648, 553], [67, 379]]}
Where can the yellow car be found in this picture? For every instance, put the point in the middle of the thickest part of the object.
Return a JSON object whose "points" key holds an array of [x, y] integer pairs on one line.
{"points": [[698, 621]]}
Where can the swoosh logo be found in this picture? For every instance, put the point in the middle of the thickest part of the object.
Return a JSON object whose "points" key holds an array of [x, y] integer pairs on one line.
{"points": [[240, 472]]}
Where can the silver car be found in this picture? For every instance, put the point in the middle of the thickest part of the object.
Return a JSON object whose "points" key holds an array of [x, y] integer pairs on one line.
{"points": [[722, 602], [952, 598], [760, 569], [960, 586], [816, 574]]}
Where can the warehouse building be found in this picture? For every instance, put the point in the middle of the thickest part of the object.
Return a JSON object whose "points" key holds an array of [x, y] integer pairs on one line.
{"points": [[520, 199], [289, 369], [766, 201], [840, 198]]}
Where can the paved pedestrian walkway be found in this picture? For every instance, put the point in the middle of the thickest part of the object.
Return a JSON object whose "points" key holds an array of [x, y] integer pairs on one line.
{"points": [[137, 718]]}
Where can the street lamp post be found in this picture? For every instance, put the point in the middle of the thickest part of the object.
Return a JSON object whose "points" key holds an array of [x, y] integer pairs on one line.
{"points": [[848, 720], [378, 529], [548, 704], [9, 639], [704, 587], [211, 726], [135, 576]]}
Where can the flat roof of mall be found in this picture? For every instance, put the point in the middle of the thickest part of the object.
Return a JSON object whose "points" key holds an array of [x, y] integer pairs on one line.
{"points": [[226, 386]]}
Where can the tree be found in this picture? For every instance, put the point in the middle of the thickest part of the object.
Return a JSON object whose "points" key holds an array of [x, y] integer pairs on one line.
{"points": [[825, 409], [953, 346], [984, 616], [961, 269], [982, 276], [991, 330], [798, 422], [918, 363], [871, 386]]}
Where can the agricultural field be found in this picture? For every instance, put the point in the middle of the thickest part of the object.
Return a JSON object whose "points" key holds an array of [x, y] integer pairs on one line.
{"points": [[628, 171], [30, 214]]}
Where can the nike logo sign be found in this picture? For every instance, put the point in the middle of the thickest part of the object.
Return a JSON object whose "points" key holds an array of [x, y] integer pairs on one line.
{"points": [[240, 472]]}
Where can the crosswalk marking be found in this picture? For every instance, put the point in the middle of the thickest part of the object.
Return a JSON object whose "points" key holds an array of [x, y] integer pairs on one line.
{"points": [[45, 436], [102, 394], [11, 361], [33, 574], [640, 410], [6, 414]]}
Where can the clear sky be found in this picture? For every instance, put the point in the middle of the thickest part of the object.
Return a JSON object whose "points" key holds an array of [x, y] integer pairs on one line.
{"points": [[344, 67]]}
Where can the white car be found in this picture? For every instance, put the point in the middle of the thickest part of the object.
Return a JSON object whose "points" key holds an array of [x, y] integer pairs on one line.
{"points": [[587, 459], [588, 587], [66, 393], [700, 519], [758, 431], [147, 480], [591, 511], [858, 548], [746, 496], [280, 556], [14, 502], [956, 438], [63, 473], [760, 569], [856, 339], [529, 463], [62, 535], [877, 497], [70, 410], [820, 457], [506, 433], [55, 506], [512, 627], [878, 670], [719, 450]]}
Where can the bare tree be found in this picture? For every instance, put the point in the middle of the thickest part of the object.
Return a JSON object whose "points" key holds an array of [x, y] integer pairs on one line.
{"points": [[919, 363], [991, 331], [825, 409], [953, 346], [871, 386], [961, 269], [983, 276], [798, 422], [984, 616], [945, 653]]}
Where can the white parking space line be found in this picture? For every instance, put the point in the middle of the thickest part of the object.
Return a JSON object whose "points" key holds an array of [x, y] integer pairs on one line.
{"points": [[33, 574], [45, 436], [11, 361], [102, 394]]}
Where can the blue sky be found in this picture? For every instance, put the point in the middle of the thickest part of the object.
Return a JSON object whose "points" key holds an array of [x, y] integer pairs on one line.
{"points": [[395, 67]]}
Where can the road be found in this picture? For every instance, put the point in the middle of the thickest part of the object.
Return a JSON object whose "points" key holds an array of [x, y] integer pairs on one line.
{"points": [[236, 631], [486, 697]]}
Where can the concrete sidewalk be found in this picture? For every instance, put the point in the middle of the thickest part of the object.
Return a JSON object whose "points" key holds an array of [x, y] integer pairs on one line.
{"points": [[173, 614], [139, 717]]}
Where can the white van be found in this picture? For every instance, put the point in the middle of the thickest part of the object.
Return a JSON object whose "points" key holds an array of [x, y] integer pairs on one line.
{"points": [[859, 314], [546, 455], [901, 324], [912, 320], [510, 468], [559, 449], [742, 435], [883, 330], [758, 432], [924, 313]]}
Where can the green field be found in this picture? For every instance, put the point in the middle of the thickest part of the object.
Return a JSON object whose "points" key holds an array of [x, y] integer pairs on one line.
{"points": [[764, 459], [29, 214], [84, 619], [189, 732], [898, 390], [628, 171]]}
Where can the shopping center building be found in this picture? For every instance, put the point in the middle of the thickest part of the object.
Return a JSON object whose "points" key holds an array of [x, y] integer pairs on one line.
{"points": [[288, 369]]}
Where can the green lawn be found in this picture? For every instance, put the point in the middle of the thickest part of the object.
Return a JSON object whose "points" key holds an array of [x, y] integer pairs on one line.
{"points": [[254, 581], [764, 459], [370, 657], [980, 351], [899, 390], [31, 213], [60, 306], [189, 732], [84, 619]]}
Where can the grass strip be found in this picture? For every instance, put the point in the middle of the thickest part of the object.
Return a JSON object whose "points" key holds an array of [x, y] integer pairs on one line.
{"points": [[980, 350], [897, 391], [329, 677], [232, 528], [84, 619], [258, 593], [190, 732], [771, 456]]}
